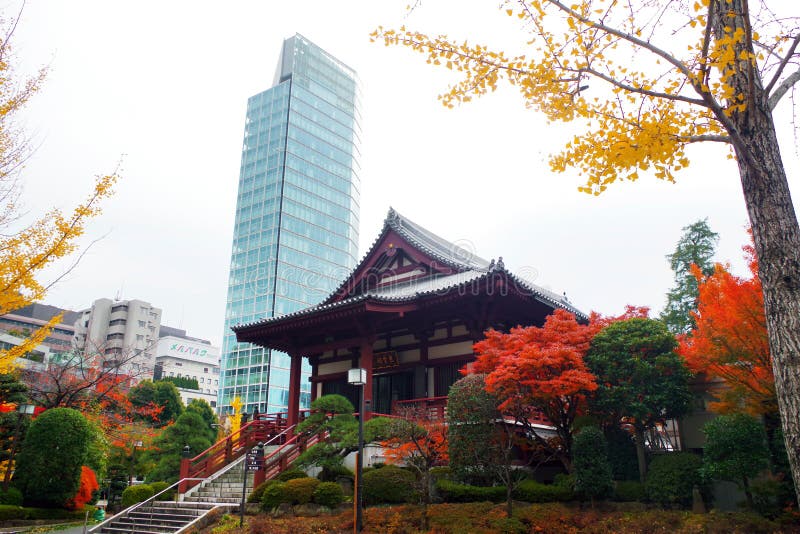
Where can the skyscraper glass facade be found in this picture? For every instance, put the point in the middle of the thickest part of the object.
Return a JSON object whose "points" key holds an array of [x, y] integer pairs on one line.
{"points": [[296, 228]]}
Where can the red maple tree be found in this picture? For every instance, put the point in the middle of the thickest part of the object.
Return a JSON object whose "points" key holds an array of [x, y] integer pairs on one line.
{"points": [[88, 485], [730, 340], [538, 371]]}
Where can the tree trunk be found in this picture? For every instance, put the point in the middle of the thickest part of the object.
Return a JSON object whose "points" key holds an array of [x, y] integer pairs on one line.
{"points": [[747, 493], [641, 456], [509, 503], [774, 223]]}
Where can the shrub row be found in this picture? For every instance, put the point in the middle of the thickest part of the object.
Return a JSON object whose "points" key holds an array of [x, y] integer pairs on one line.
{"points": [[12, 496], [298, 491], [9, 512]]}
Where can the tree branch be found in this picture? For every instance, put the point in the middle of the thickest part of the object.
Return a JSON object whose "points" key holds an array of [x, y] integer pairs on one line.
{"points": [[781, 67], [781, 90], [632, 89], [702, 138]]}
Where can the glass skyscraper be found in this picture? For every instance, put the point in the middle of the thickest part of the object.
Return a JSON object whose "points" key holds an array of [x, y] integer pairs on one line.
{"points": [[296, 231]]}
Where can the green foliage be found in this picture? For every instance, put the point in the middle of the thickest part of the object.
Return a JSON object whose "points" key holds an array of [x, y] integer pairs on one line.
{"points": [[98, 452], [158, 487], [300, 490], [9, 512], [672, 477], [272, 495], [11, 496], [454, 492], [12, 391], [291, 474], [204, 410], [334, 474], [136, 494], [258, 492], [388, 485], [639, 376], [474, 440], [189, 429], [49, 462], [695, 247], [621, 453], [181, 382], [162, 394], [629, 491], [328, 494], [590, 464], [532, 491], [334, 414], [735, 449]]}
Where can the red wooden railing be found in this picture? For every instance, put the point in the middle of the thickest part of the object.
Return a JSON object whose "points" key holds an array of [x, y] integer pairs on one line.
{"points": [[435, 409], [264, 428]]}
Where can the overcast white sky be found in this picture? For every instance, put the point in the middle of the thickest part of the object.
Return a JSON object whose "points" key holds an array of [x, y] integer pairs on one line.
{"points": [[166, 84]]}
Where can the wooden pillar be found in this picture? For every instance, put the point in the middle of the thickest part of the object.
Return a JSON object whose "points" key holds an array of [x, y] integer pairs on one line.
{"points": [[365, 353], [294, 390]]}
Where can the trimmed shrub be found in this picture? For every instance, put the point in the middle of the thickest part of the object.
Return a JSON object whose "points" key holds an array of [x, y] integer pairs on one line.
{"points": [[10, 511], [300, 490], [334, 473], [441, 472], [672, 477], [291, 474], [136, 494], [388, 485], [159, 487], [532, 491], [44, 477], [328, 494], [629, 491], [13, 496], [272, 495], [590, 464], [454, 492], [258, 491]]}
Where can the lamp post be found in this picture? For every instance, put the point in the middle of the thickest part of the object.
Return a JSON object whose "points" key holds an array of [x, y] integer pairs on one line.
{"points": [[358, 377], [136, 443], [22, 411]]}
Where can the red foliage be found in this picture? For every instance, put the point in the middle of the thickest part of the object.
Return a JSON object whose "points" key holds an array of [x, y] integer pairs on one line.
{"points": [[87, 486], [541, 368], [730, 341]]}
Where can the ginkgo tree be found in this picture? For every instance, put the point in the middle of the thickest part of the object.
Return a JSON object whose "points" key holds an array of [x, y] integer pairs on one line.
{"points": [[645, 80], [26, 250]]}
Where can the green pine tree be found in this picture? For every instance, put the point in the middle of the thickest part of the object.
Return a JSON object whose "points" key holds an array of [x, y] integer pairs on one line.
{"points": [[695, 247]]}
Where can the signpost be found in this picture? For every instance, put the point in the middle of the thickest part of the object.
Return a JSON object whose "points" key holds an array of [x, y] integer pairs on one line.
{"points": [[253, 461]]}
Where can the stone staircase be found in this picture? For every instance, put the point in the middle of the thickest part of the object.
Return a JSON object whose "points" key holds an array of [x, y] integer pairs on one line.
{"points": [[157, 517], [225, 488]]}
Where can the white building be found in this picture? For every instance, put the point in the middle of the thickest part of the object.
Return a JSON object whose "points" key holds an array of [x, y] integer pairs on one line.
{"points": [[192, 358], [127, 329]]}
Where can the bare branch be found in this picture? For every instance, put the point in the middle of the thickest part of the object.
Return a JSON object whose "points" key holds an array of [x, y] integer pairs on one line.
{"points": [[781, 90], [781, 67], [704, 138], [639, 90]]}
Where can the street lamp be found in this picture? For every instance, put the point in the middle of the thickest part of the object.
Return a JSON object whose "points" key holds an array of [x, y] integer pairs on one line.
{"points": [[358, 377], [22, 411], [136, 443]]}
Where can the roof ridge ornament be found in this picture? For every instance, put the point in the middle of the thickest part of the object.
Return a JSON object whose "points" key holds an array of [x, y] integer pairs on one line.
{"points": [[392, 216], [500, 266]]}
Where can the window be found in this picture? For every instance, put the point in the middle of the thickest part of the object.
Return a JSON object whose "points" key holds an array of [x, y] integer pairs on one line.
{"points": [[111, 337], [139, 337], [171, 373], [202, 380], [178, 364], [205, 369], [216, 382], [115, 322], [142, 324]]}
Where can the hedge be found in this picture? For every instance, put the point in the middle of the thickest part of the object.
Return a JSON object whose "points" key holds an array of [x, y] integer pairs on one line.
{"points": [[532, 491], [10, 512], [12, 496], [272, 495], [300, 490], [291, 474], [671, 478], [388, 485], [455, 492], [328, 494], [136, 494], [629, 491]]}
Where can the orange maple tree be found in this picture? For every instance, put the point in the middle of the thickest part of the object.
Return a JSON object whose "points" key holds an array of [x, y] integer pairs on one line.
{"points": [[87, 486], [730, 341], [537, 371]]}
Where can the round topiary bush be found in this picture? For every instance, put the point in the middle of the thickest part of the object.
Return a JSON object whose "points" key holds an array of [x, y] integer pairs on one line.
{"points": [[388, 485], [328, 494], [48, 470], [300, 490], [136, 494], [671, 478], [272, 494], [291, 474]]}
